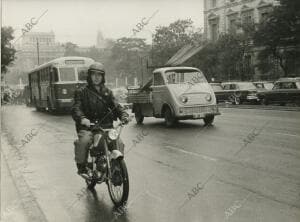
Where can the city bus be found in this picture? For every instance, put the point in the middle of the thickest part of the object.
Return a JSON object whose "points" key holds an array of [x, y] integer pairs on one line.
{"points": [[52, 85]]}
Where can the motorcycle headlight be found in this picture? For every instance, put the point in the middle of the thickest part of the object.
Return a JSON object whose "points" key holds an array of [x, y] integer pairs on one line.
{"points": [[208, 97], [183, 99], [113, 134]]}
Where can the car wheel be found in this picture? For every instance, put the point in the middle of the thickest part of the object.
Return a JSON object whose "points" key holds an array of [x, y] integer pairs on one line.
{"points": [[264, 101], [139, 118], [237, 100], [208, 120]]}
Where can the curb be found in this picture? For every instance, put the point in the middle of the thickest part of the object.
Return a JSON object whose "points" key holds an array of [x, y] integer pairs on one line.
{"points": [[260, 107]]}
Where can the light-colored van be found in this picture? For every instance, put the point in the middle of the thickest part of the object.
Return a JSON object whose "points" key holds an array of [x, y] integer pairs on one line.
{"points": [[175, 93]]}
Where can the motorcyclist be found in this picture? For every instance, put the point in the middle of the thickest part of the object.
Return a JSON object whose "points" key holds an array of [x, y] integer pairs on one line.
{"points": [[95, 102]]}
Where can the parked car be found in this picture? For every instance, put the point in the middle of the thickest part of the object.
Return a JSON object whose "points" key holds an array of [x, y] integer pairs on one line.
{"points": [[264, 85], [219, 92], [285, 90], [240, 92]]}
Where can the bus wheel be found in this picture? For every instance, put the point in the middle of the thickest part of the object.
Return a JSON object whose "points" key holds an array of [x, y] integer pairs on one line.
{"points": [[37, 108], [49, 107], [138, 115]]}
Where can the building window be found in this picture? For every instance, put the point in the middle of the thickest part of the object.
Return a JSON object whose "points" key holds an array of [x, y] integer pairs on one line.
{"points": [[263, 16], [213, 3], [247, 16], [214, 31], [232, 25], [232, 22], [264, 12]]}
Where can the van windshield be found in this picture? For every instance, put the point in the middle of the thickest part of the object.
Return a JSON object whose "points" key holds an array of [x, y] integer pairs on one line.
{"points": [[184, 76]]}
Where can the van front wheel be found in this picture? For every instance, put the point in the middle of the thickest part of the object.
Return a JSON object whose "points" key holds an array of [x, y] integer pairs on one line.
{"points": [[139, 117], [208, 120], [169, 118]]}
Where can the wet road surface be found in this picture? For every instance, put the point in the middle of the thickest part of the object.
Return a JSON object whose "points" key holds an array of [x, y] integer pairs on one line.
{"points": [[243, 168]]}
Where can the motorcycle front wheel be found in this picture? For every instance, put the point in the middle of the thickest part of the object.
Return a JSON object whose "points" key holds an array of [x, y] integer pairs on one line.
{"points": [[118, 184]]}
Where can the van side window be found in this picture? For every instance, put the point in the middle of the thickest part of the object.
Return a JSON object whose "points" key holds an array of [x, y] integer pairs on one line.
{"points": [[158, 79]]}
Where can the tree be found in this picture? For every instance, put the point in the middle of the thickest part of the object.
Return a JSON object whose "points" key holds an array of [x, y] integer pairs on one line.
{"points": [[125, 58], [278, 37], [169, 39], [71, 49], [7, 51], [227, 58]]}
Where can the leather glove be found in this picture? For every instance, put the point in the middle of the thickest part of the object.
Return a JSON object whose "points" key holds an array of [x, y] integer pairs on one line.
{"points": [[125, 120], [85, 122]]}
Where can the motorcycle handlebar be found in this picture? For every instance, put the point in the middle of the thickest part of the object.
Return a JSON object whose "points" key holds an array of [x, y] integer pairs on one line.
{"points": [[94, 125]]}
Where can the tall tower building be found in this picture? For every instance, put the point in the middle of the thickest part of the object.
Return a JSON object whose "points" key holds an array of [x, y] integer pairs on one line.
{"points": [[100, 42]]}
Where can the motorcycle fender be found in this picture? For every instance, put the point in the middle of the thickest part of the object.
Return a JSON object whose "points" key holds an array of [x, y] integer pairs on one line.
{"points": [[97, 138], [115, 154]]}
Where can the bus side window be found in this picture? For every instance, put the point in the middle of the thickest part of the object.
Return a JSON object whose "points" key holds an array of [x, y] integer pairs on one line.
{"points": [[47, 71], [54, 74], [42, 75]]}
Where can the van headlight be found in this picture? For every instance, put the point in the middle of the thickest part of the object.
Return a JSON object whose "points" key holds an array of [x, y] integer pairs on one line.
{"points": [[208, 97], [183, 99], [113, 134]]}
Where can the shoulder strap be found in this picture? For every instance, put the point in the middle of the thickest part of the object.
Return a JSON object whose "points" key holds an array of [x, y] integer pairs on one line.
{"points": [[98, 96]]}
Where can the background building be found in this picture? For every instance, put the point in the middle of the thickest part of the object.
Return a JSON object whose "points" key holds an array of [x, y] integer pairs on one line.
{"points": [[221, 16], [100, 41], [35, 48]]}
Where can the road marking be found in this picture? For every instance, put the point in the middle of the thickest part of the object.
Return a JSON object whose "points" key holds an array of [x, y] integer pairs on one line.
{"points": [[286, 134], [191, 153], [153, 195]]}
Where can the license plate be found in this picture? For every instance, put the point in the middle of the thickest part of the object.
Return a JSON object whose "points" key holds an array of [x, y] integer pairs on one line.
{"points": [[198, 115]]}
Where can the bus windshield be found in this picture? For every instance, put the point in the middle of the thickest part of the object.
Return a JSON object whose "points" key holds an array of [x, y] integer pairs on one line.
{"points": [[184, 76], [82, 73], [67, 74]]}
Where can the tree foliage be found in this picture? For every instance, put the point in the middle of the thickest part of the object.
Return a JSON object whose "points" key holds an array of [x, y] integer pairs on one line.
{"points": [[227, 58], [167, 40], [7, 51], [125, 59], [279, 37], [71, 49]]}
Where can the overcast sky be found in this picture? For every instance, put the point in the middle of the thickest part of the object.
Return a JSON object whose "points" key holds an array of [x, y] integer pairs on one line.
{"points": [[78, 20]]}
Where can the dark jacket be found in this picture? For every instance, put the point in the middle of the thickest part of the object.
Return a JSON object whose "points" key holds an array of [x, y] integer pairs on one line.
{"points": [[94, 105]]}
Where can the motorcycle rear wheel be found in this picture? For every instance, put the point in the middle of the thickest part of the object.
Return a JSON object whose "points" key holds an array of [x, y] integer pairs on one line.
{"points": [[115, 190]]}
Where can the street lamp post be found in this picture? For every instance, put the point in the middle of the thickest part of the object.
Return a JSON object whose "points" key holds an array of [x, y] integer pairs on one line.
{"points": [[38, 51]]}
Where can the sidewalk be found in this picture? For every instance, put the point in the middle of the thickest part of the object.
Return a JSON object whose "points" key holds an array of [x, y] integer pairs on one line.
{"points": [[11, 205]]}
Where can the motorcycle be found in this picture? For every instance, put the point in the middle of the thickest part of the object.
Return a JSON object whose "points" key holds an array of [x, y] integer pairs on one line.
{"points": [[108, 167]]}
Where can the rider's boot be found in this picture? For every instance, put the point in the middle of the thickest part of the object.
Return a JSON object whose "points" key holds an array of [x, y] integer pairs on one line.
{"points": [[82, 170]]}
